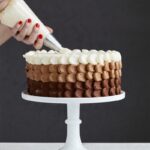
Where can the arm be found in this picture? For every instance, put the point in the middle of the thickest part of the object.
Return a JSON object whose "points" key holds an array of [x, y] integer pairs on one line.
{"points": [[5, 34]]}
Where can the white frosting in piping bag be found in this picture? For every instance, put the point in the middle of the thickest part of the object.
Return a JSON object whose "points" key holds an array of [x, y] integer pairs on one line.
{"points": [[74, 57]]}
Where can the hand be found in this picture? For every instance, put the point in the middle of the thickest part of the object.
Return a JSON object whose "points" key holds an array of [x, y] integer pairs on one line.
{"points": [[20, 33]]}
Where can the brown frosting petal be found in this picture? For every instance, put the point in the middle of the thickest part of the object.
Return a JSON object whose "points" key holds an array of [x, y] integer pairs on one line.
{"points": [[53, 93], [45, 93], [38, 72], [37, 77], [81, 68], [27, 68], [112, 73], [71, 77], [30, 67], [61, 86], [105, 84], [72, 69], [90, 68], [69, 86], [118, 81], [98, 68], [79, 85], [105, 92], [112, 91], [97, 85], [62, 68], [60, 93], [62, 78], [117, 73], [31, 75], [45, 68], [36, 67], [53, 68], [45, 77], [117, 65], [81, 77], [112, 66], [38, 92], [89, 75], [53, 85], [79, 93], [97, 93], [118, 90], [28, 72], [120, 73], [120, 64], [88, 93], [44, 86], [105, 75], [53, 77], [97, 76], [106, 66], [88, 84], [112, 82], [68, 93]]}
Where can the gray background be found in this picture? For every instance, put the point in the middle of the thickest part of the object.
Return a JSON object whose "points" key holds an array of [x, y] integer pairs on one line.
{"points": [[92, 24]]}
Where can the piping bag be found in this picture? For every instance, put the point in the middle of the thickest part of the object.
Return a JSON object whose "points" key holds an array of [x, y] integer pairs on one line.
{"points": [[17, 10]]}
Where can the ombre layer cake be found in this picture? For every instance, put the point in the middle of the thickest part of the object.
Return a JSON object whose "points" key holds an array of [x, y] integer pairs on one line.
{"points": [[76, 73]]}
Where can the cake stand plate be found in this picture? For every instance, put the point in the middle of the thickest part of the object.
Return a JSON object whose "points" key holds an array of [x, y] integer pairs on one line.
{"points": [[73, 140]]}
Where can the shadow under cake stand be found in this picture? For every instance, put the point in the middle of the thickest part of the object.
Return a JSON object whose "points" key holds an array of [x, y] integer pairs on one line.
{"points": [[73, 141]]}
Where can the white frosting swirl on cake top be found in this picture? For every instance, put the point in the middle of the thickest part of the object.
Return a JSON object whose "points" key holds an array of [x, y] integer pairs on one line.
{"points": [[74, 57]]}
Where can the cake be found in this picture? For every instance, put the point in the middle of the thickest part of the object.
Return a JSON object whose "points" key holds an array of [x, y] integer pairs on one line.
{"points": [[73, 73]]}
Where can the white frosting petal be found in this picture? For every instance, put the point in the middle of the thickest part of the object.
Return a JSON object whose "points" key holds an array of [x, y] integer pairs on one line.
{"points": [[66, 50], [36, 59], [51, 52], [100, 59], [45, 59], [54, 59], [30, 53], [92, 58], [29, 59], [76, 51], [63, 59], [83, 58], [102, 52], [107, 57], [118, 56], [115, 56], [85, 51], [43, 51], [93, 51], [74, 59]]}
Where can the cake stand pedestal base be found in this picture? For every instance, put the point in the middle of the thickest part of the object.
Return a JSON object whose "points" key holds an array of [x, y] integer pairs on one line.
{"points": [[73, 140]]}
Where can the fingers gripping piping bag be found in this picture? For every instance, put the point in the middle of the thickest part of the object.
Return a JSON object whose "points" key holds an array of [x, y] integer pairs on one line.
{"points": [[18, 10]]}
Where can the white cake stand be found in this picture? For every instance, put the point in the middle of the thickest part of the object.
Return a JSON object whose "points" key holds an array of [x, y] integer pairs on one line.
{"points": [[73, 141]]}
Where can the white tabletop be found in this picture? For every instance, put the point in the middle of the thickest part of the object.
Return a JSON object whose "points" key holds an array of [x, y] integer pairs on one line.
{"points": [[89, 146]]}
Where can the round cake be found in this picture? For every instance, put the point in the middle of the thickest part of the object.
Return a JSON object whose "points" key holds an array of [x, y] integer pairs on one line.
{"points": [[73, 73]]}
